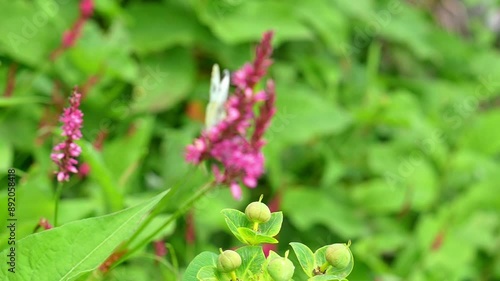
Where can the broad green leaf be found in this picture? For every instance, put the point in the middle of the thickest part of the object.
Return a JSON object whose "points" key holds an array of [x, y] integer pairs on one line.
{"points": [[229, 20], [252, 260], [119, 61], [303, 115], [165, 79], [273, 226], [307, 206], [323, 17], [29, 30], [36, 202], [201, 260], [241, 227], [19, 125], [234, 220], [208, 273], [44, 255], [326, 277], [157, 26], [254, 238], [361, 9], [483, 136], [99, 53], [397, 30], [305, 257], [369, 193]]}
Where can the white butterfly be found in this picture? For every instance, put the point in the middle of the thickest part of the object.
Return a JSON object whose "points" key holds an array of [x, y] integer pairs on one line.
{"points": [[219, 90]]}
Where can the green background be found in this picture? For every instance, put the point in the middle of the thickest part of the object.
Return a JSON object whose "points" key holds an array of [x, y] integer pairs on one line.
{"points": [[387, 131]]}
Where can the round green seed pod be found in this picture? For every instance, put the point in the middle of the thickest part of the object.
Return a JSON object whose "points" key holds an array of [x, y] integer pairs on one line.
{"points": [[338, 255], [228, 261], [258, 212], [280, 269]]}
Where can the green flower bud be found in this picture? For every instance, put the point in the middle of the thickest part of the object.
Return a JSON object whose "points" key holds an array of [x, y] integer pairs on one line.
{"points": [[258, 212], [338, 255], [228, 261], [280, 269]]}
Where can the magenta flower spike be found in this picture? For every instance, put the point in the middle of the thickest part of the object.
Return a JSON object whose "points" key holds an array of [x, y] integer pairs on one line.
{"points": [[86, 8], [235, 142], [65, 153]]}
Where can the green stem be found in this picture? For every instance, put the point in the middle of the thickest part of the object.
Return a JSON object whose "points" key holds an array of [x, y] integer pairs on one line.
{"points": [[233, 276], [324, 267], [57, 199], [202, 191], [255, 226]]}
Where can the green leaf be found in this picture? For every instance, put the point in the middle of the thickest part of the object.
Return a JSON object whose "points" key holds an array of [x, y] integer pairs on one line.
{"points": [[164, 81], [208, 273], [156, 26], [483, 136], [14, 101], [29, 30], [305, 257], [368, 194], [252, 258], [306, 207], [323, 278], [229, 20], [304, 115], [234, 220], [200, 261], [254, 238], [44, 255], [241, 227], [273, 226]]}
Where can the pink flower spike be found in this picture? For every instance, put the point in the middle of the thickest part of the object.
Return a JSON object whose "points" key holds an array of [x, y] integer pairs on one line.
{"points": [[250, 181], [219, 177], [195, 151], [234, 144], [86, 8], [64, 153], [235, 190]]}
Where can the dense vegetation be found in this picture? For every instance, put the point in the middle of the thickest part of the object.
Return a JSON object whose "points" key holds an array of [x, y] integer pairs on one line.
{"points": [[387, 130]]}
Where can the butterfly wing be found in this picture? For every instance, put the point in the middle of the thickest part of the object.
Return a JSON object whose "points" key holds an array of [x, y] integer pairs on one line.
{"points": [[219, 90]]}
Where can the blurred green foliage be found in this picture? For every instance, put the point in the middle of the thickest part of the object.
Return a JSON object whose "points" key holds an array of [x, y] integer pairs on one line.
{"points": [[387, 131]]}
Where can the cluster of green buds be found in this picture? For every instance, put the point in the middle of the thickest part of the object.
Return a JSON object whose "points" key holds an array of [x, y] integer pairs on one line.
{"points": [[257, 225]]}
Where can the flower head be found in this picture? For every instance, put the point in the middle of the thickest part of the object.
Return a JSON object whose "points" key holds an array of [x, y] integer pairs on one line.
{"points": [[65, 153], [71, 35], [229, 139], [86, 8]]}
